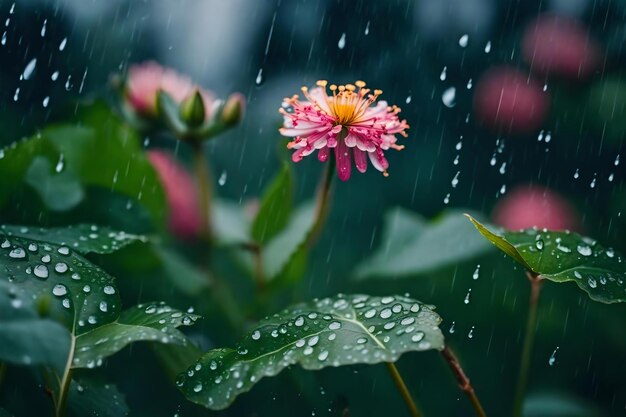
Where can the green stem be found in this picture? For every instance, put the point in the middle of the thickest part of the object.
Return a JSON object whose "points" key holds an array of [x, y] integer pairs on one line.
{"points": [[323, 203], [397, 378], [205, 190], [464, 382], [66, 380], [529, 338], [3, 371]]}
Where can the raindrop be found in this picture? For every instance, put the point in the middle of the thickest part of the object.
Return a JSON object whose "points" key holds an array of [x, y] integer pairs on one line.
{"points": [[16, 96], [223, 177], [463, 40], [54, 76], [342, 41], [471, 333], [41, 271], [68, 83], [449, 96], [43, 28], [443, 74], [259, 77], [104, 307], [60, 164], [455, 180], [488, 47], [469, 84], [64, 250], [584, 250], [452, 329], [616, 163], [30, 67], [17, 253], [576, 174], [256, 335], [592, 282], [408, 99], [109, 290], [593, 182], [59, 290], [502, 168], [467, 297], [446, 199], [552, 359], [548, 137], [367, 28], [476, 273], [61, 267], [62, 44], [4, 38], [539, 244], [611, 177], [46, 100]]}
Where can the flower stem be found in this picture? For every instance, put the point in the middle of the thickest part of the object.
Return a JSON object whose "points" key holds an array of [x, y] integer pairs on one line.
{"points": [[464, 382], [66, 380], [323, 203], [529, 338], [203, 177], [397, 378]]}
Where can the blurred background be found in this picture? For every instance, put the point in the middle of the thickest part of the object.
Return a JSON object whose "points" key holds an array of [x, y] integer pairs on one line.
{"points": [[517, 111]]}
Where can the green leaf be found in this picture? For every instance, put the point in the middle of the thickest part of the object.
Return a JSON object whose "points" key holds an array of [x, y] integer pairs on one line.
{"points": [[287, 250], [155, 322], [558, 405], [411, 246], [169, 111], [337, 331], [89, 397], [86, 238], [180, 272], [563, 257], [59, 192], [25, 338], [230, 223], [276, 206], [102, 152], [64, 284]]}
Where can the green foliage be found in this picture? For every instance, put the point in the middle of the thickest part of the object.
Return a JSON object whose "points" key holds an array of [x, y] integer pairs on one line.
{"points": [[275, 208], [564, 257], [89, 397], [412, 246], [155, 322], [102, 152], [336, 331]]}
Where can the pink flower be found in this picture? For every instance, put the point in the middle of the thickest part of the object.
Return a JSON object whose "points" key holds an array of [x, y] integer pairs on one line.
{"points": [[506, 99], [347, 122], [146, 79], [534, 206], [557, 45], [185, 218]]}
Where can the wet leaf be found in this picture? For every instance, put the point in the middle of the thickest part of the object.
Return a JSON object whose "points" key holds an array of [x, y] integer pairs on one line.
{"points": [[343, 330], [26, 338], [102, 152], [86, 238], [92, 398], [58, 191], [411, 245], [276, 206], [563, 257], [154, 322], [64, 284], [230, 223], [287, 250]]}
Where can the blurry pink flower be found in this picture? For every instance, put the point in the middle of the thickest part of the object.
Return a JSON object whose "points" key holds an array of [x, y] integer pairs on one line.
{"points": [[508, 99], [558, 45], [146, 79], [347, 122], [534, 206], [185, 218]]}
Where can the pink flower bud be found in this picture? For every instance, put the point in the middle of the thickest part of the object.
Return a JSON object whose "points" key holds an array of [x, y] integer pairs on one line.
{"points": [[185, 218], [535, 206], [561, 46], [146, 79], [507, 99]]}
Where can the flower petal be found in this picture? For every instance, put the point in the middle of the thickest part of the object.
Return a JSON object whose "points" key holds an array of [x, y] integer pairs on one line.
{"points": [[342, 156], [360, 160]]}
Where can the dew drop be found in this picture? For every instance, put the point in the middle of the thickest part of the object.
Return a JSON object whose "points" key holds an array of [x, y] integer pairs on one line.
{"points": [[59, 290], [463, 40], [448, 97], [342, 41]]}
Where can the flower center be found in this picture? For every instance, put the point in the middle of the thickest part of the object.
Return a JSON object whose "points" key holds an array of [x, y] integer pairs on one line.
{"points": [[349, 102]]}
